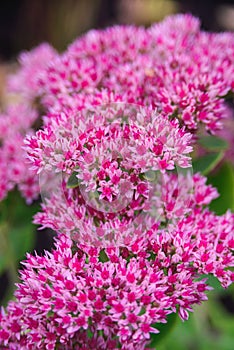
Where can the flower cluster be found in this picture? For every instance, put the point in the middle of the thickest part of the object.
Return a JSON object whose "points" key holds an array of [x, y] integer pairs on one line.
{"points": [[173, 66], [20, 117], [105, 298], [67, 211], [109, 138], [14, 168], [109, 153], [32, 67], [136, 239]]}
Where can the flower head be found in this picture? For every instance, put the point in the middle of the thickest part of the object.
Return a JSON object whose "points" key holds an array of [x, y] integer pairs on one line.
{"points": [[82, 295]]}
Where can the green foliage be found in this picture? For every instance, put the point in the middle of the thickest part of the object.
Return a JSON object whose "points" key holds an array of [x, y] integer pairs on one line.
{"points": [[213, 143], [3, 259], [215, 146], [17, 234], [103, 257], [209, 327], [223, 180], [207, 163], [73, 180], [164, 329]]}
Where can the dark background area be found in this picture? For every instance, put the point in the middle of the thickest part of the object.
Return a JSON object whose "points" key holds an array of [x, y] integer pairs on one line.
{"points": [[26, 23]]}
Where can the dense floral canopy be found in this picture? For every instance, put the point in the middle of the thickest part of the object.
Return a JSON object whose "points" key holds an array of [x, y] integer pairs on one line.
{"points": [[115, 118]]}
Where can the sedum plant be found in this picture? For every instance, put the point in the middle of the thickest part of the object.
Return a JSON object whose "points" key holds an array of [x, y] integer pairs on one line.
{"points": [[115, 135]]}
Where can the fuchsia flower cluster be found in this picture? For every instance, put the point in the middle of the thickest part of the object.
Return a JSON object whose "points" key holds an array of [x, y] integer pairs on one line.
{"points": [[81, 297], [173, 66], [13, 166], [135, 236], [18, 119]]}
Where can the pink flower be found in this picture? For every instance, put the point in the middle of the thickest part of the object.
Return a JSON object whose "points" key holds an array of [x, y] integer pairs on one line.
{"points": [[174, 66], [15, 169], [71, 290], [133, 236], [27, 80]]}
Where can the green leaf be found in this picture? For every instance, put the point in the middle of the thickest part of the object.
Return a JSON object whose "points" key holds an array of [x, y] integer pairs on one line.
{"points": [[229, 96], [223, 180], [103, 257], [3, 262], [212, 281], [207, 163], [89, 333], [164, 328], [213, 143], [22, 240], [73, 181], [17, 233], [15, 211], [204, 330], [221, 319]]}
